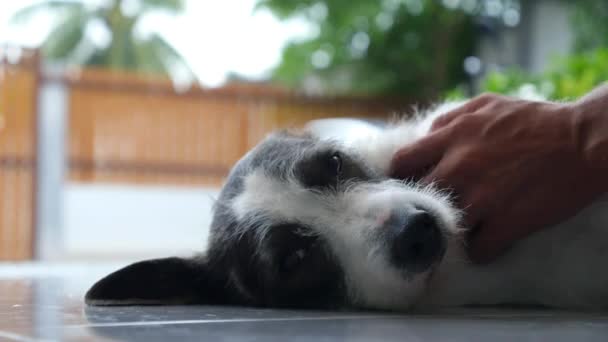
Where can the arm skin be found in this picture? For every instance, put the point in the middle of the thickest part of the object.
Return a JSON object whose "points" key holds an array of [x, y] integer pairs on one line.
{"points": [[515, 166]]}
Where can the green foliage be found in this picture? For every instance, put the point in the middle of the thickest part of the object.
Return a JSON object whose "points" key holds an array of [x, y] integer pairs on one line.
{"points": [[68, 42], [398, 47], [416, 48], [590, 24], [566, 78]]}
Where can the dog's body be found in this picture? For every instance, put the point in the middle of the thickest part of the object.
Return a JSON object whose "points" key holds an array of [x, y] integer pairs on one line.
{"points": [[307, 222]]}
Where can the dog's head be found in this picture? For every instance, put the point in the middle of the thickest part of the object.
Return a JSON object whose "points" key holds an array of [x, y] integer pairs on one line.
{"points": [[302, 222]]}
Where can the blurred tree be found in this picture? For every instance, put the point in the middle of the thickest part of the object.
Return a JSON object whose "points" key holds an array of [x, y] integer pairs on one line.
{"points": [[566, 77], [106, 35], [590, 24], [395, 47]]}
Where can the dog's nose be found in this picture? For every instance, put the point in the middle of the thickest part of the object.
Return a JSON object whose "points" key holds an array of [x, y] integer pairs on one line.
{"points": [[418, 243]]}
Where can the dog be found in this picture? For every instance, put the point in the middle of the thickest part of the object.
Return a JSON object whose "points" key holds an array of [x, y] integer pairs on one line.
{"points": [[306, 221]]}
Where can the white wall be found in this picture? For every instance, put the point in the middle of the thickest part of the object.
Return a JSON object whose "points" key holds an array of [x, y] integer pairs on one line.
{"points": [[550, 33], [543, 32], [124, 221]]}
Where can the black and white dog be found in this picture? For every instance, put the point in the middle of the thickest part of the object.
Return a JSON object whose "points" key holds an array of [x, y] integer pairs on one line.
{"points": [[309, 222]]}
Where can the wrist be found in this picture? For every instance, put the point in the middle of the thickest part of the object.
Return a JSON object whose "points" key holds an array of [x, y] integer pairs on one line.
{"points": [[590, 119]]}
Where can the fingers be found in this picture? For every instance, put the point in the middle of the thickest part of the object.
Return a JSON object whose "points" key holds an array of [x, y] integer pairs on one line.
{"points": [[473, 207], [491, 240], [484, 246], [466, 195], [414, 160], [469, 107], [411, 160]]}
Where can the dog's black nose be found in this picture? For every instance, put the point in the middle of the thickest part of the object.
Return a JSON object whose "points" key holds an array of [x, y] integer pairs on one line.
{"points": [[418, 243]]}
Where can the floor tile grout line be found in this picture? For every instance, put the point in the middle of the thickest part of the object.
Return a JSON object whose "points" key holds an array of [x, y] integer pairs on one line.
{"points": [[275, 319], [234, 320], [16, 337], [278, 319]]}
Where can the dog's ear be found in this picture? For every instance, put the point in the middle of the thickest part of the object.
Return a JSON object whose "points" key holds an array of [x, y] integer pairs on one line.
{"points": [[163, 281]]}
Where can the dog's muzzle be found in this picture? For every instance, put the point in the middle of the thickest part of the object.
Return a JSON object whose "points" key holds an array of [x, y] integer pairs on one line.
{"points": [[416, 241]]}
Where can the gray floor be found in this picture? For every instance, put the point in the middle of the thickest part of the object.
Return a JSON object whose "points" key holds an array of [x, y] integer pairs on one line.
{"points": [[45, 304]]}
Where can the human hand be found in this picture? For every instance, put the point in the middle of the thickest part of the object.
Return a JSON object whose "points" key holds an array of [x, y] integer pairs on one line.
{"points": [[515, 167]]}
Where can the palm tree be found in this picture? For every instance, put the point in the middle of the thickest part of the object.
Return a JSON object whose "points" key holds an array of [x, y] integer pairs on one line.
{"points": [[105, 35]]}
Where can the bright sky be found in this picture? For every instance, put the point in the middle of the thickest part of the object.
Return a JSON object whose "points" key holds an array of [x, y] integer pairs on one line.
{"points": [[216, 37]]}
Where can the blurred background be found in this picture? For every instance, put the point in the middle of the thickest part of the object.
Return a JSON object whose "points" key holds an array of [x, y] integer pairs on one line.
{"points": [[120, 118]]}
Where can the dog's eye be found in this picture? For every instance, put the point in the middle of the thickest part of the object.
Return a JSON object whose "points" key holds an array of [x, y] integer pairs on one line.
{"points": [[321, 169], [336, 162]]}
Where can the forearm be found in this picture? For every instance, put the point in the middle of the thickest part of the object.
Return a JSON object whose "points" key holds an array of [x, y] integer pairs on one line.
{"points": [[591, 125]]}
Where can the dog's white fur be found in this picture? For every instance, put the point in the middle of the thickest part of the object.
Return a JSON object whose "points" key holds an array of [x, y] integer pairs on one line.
{"points": [[560, 266]]}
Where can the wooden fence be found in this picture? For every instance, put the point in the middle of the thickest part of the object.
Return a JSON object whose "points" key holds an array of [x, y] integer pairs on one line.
{"points": [[139, 130], [126, 128], [18, 88]]}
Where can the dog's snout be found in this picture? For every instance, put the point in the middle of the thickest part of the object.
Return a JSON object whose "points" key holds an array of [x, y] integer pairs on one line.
{"points": [[418, 242]]}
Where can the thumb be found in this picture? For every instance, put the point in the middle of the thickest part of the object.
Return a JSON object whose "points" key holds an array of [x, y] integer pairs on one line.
{"points": [[415, 159]]}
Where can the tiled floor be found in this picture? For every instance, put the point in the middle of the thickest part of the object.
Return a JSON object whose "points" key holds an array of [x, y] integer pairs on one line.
{"points": [[44, 303]]}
